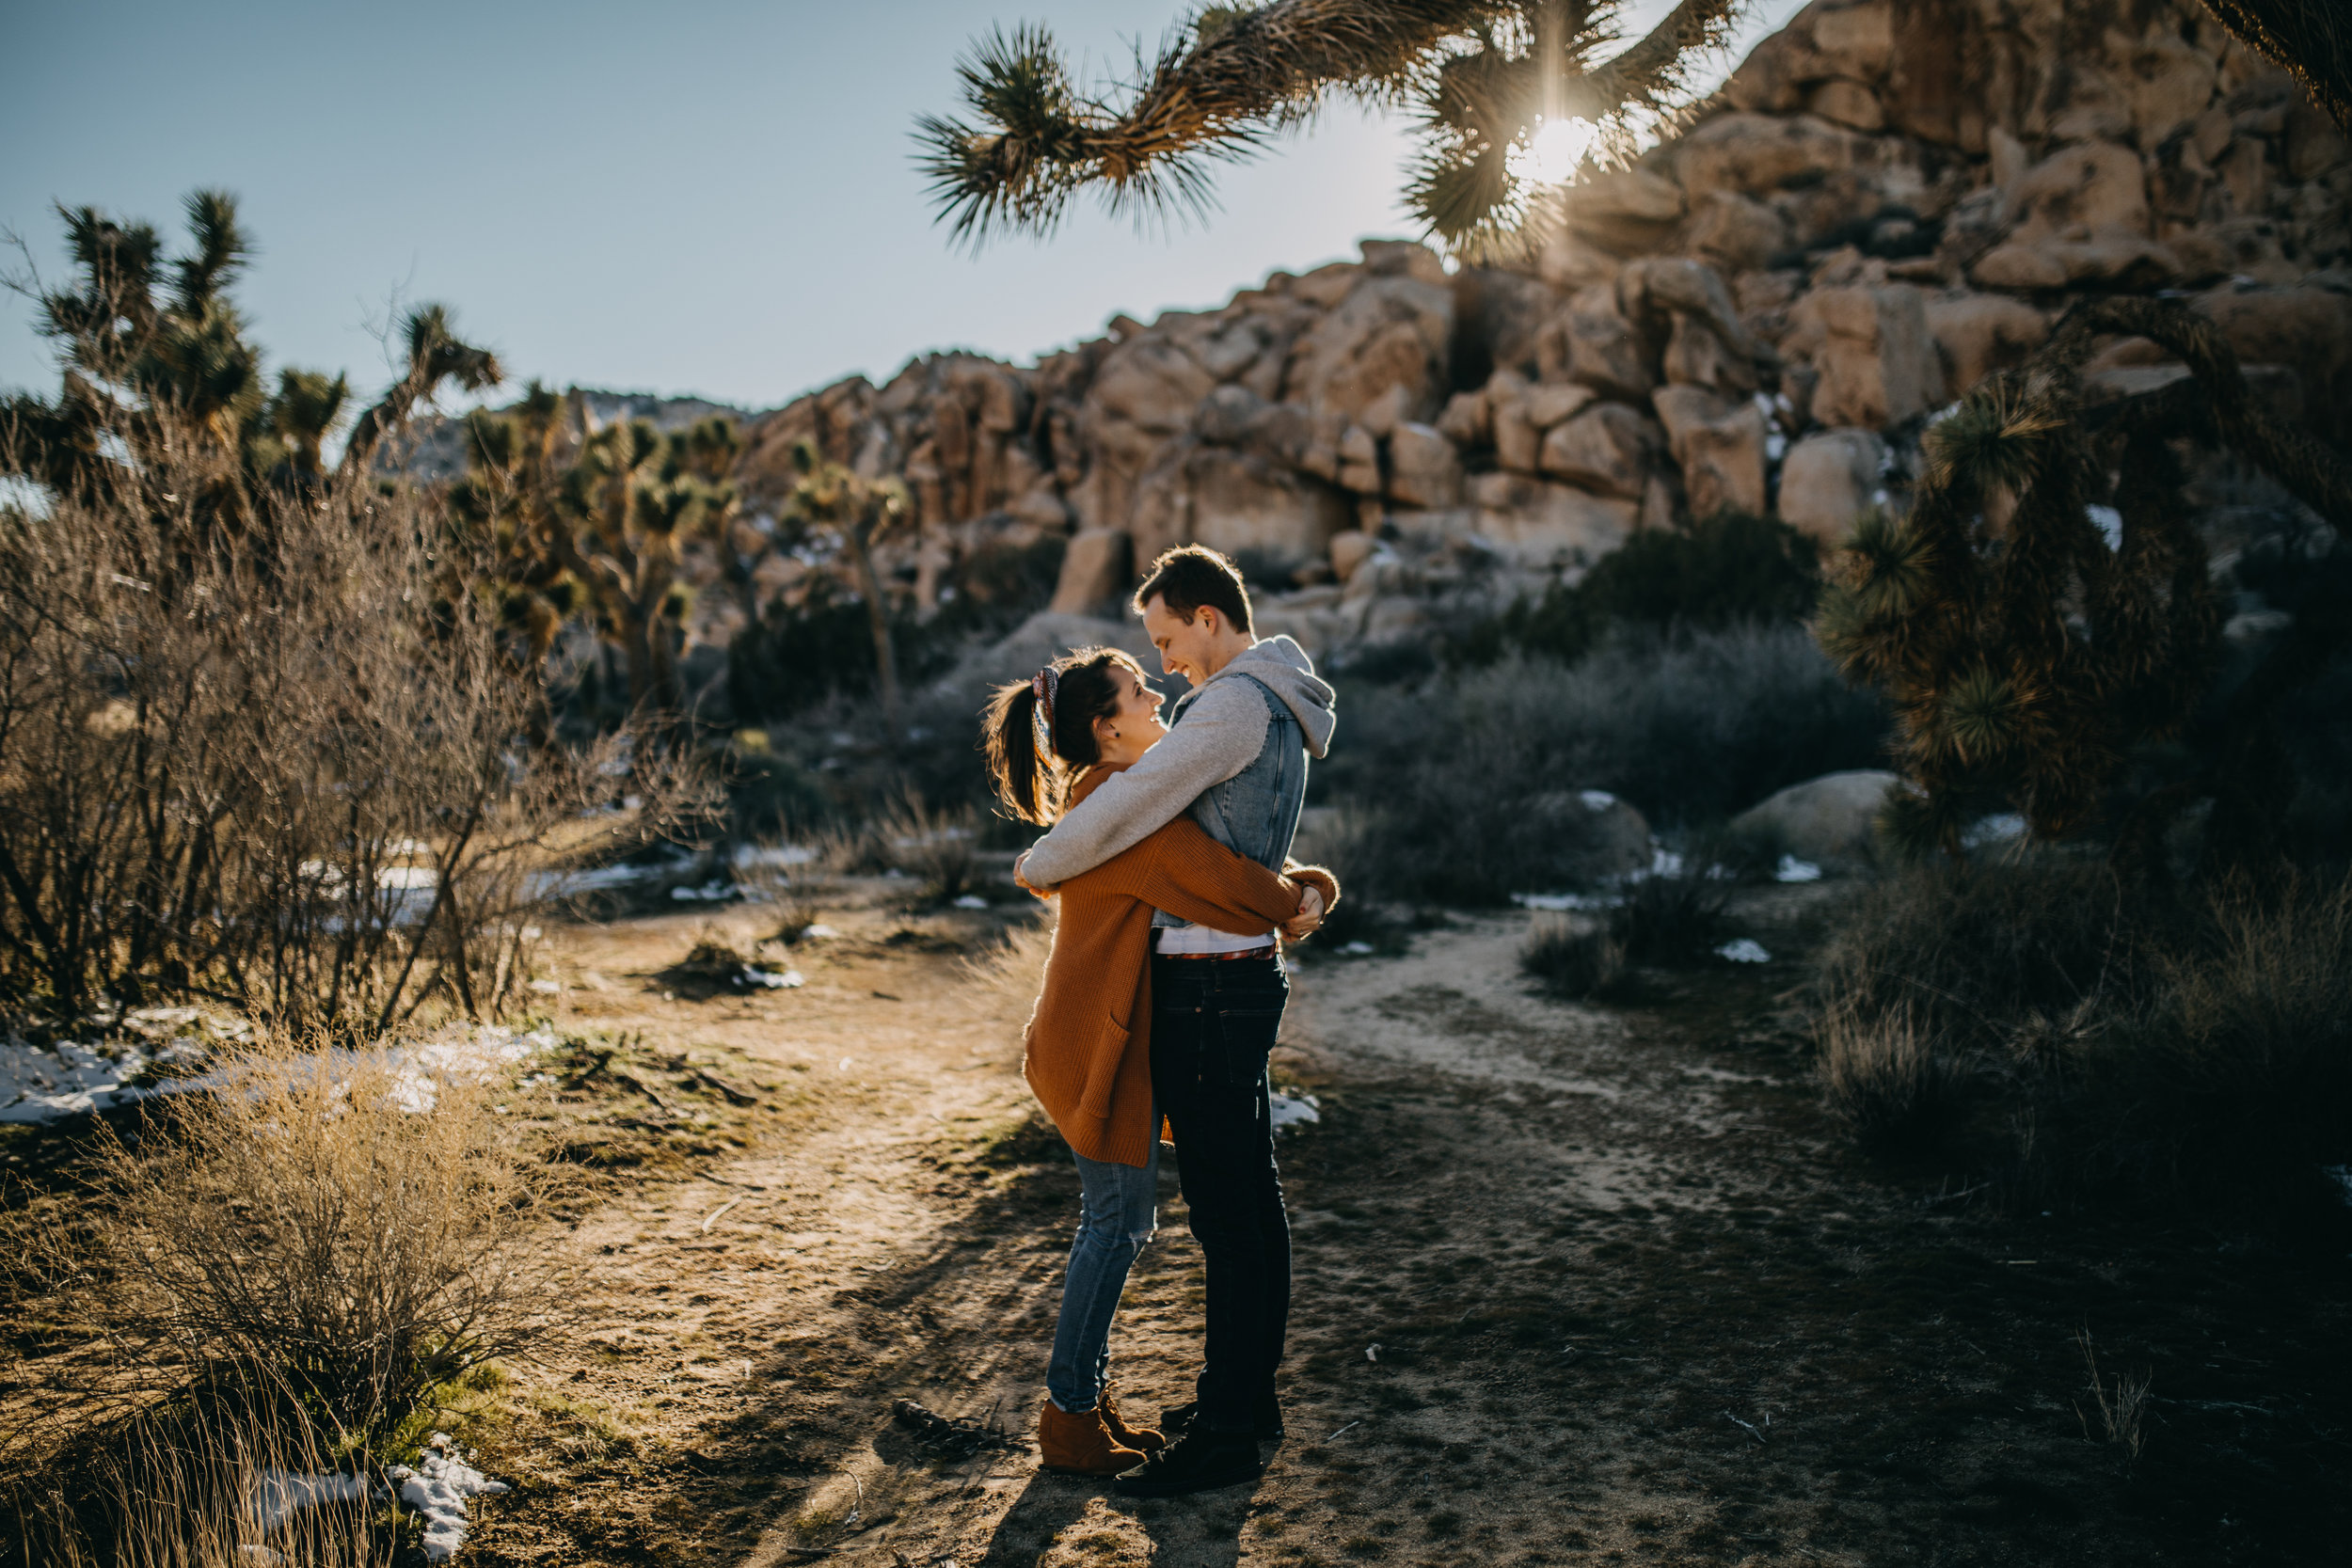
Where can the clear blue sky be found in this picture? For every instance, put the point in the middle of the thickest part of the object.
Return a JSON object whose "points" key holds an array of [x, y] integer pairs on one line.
{"points": [[706, 196]]}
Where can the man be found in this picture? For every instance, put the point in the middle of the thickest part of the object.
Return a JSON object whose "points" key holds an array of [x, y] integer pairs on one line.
{"points": [[1236, 759]]}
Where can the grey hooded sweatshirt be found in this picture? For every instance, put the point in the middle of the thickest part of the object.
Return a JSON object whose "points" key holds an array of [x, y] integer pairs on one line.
{"points": [[1220, 728]]}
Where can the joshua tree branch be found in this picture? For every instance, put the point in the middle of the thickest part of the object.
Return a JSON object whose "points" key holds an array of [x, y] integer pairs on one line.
{"points": [[2309, 39]]}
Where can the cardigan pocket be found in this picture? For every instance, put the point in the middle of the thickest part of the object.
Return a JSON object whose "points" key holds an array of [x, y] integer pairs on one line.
{"points": [[1110, 1050]]}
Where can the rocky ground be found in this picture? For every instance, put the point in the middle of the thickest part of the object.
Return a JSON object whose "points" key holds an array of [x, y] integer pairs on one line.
{"points": [[1575, 1284]]}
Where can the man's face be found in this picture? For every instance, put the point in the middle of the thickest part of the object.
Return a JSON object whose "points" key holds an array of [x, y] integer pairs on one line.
{"points": [[1184, 643]]}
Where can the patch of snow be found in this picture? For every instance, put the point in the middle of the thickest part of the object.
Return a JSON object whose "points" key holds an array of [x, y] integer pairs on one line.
{"points": [[438, 1489], [547, 988], [2110, 524], [1358, 949], [817, 933], [2343, 1175], [777, 854], [791, 979], [1597, 800], [1998, 829], [1566, 900], [712, 892], [280, 1494], [1745, 950], [1664, 862], [1775, 447], [970, 901], [1284, 1109], [1794, 870], [40, 1083]]}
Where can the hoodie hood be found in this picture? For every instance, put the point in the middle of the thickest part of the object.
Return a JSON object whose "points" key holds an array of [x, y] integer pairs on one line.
{"points": [[1284, 668]]}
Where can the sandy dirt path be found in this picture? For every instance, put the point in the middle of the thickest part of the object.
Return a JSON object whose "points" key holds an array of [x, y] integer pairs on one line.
{"points": [[1574, 1284]]}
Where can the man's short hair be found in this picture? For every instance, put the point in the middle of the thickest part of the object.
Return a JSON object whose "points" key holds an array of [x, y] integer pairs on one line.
{"points": [[1190, 576]]}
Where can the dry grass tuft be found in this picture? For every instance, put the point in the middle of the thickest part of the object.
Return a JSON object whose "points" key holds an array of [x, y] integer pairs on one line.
{"points": [[1574, 958], [334, 1223], [235, 1479], [2122, 1410], [1886, 1078]]}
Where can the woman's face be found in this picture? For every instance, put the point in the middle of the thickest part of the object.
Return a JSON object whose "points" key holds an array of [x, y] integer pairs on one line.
{"points": [[1135, 728]]}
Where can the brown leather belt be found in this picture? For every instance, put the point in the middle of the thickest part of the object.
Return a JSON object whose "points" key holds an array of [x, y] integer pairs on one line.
{"points": [[1266, 952]]}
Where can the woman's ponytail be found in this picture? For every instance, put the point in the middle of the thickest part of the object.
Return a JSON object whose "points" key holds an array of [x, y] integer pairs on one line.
{"points": [[1014, 768]]}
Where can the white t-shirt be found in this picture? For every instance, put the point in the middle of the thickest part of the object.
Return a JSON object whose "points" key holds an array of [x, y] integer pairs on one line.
{"points": [[1200, 939]]}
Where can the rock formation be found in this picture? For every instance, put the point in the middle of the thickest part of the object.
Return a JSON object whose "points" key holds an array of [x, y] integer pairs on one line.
{"points": [[1885, 203]]}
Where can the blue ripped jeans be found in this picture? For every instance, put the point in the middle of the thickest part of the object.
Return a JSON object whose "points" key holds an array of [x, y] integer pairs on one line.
{"points": [[1118, 1212]]}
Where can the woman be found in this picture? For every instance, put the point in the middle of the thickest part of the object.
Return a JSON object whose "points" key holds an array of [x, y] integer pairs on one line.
{"points": [[1050, 740]]}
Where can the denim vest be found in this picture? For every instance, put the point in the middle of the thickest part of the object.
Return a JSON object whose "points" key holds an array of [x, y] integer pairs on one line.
{"points": [[1255, 813]]}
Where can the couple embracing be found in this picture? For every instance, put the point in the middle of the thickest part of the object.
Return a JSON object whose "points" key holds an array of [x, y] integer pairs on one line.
{"points": [[1170, 852]]}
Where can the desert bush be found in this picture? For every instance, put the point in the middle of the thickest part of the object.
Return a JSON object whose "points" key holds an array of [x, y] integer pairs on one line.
{"points": [[1729, 570], [1687, 727], [1573, 958], [2198, 1047], [1887, 1078], [1670, 918], [284, 767], [938, 848], [353, 1226]]}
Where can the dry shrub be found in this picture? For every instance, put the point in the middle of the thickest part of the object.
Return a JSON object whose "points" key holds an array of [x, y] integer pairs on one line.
{"points": [[336, 1223], [1008, 978], [285, 764], [1887, 1079], [1666, 920], [2196, 1047], [237, 1479], [939, 848], [1574, 958]]}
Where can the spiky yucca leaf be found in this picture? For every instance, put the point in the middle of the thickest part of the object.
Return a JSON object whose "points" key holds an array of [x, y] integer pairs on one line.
{"points": [[1995, 440], [1982, 715]]}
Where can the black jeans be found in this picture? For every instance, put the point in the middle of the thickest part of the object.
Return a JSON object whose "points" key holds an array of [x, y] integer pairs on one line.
{"points": [[1213, 1023]]}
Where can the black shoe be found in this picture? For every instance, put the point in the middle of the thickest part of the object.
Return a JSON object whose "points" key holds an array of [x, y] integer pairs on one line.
{"points": [[1176, 1419], [1194, 1463]]}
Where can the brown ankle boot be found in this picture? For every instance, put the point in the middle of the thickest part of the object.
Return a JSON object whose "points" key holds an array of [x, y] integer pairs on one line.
{"points": [[1081, 1444], [1145, 1439]]}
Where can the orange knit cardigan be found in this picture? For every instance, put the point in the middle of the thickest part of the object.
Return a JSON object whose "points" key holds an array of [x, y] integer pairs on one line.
{"points": [[1087, 1052]]}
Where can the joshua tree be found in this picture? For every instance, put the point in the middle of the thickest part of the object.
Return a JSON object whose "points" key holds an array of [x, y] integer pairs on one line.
{"points": [[2026, 654], [832, 499], [139, 337], [595, 524], [1513, 96]]}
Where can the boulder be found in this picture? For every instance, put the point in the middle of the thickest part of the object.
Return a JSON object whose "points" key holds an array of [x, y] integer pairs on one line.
{"points": [[1977, 334], [1622, 209], [1350, 548], [1844, 102], [1589, 836], [1360, 461], [1735, 231], [1468, 419], [1827, 480], [1718, 443], [1423, 467], [1870, 347], [1096, 571], [1606, 449], [1832, 820], [1831, 40], [2081, 214], [1591, 344], [1539, 524]]}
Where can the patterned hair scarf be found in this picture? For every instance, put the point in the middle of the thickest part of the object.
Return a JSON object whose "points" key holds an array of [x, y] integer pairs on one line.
{"points": [[1045, 686]]}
